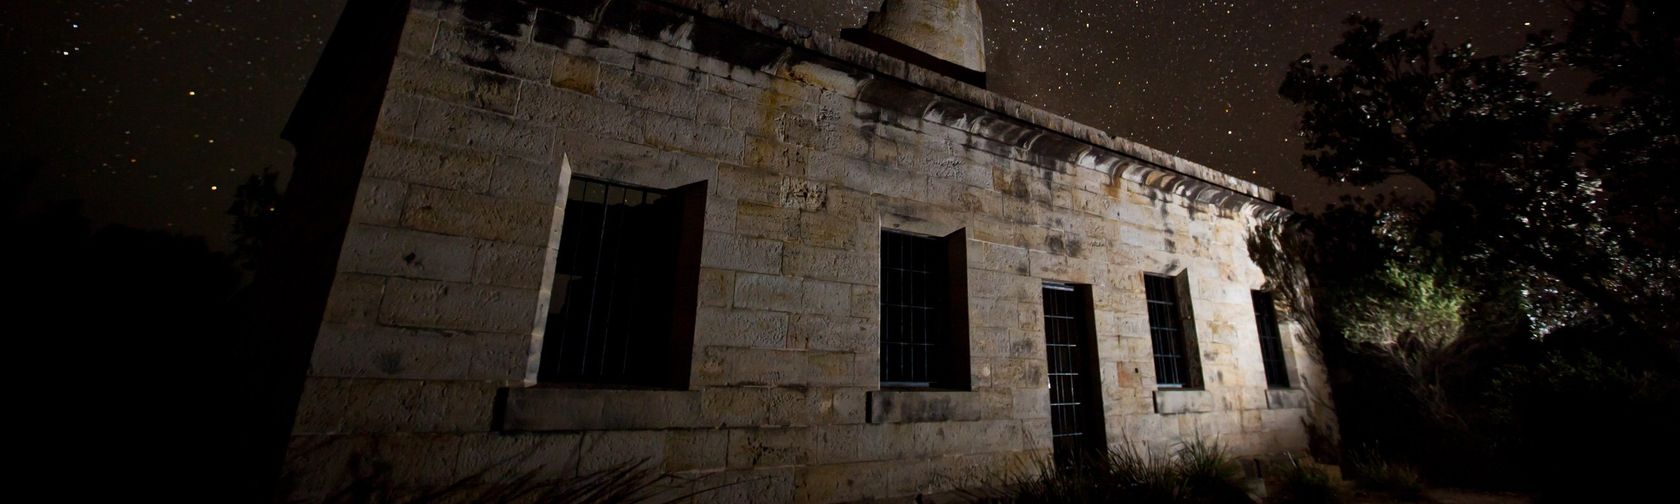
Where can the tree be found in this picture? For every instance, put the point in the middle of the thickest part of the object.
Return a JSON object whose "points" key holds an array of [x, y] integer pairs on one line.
{"points": [[1525, 183], [256, 212], [1543, 251]]}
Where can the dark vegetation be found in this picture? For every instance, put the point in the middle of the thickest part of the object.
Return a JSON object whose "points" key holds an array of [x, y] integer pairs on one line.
{"points": [[1199, 471], [1516, 328], [139, 378], [631, 482]]}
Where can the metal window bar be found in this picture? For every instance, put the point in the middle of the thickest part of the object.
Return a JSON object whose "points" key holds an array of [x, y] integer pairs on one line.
{"points": [[912, 318], [616, 244], [1166, 332], [1271, 341], [1064, 356]]}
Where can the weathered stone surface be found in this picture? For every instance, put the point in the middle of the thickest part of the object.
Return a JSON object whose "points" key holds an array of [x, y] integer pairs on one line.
{"points": [[406, 253], [1286, 398], [466, 214], [467, 307], [744, 328], [809, 148], [509, 264], [335, 406], [355, 299], [429, 164], [947, 29], [568, 110], [574, 73], [482, 131], [754, 407], [696, 449], [455, 83], [385, 352], [889, 406], [550, 409], [732, 252], [1172, 402], [379, 202]]}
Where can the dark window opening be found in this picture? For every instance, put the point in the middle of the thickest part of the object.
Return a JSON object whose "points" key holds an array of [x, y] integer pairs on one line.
{"points": [[924, 311], [1076, 421], [1175, 359], [1271, 341], [625, 281]]}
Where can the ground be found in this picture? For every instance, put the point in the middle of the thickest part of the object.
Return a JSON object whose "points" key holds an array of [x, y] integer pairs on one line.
{"points": [[1446, 496]]}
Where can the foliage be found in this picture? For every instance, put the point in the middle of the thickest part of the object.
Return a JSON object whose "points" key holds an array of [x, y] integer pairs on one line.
{"points": [[148, 318], [1199, 472], [1400, 308], [1512, 327], [256, 213], [1523, 181]]}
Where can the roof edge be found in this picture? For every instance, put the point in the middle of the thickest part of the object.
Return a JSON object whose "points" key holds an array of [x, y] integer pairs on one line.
{"points": [[888, 65]]}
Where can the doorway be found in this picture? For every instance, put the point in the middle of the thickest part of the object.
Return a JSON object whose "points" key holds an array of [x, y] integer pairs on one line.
{"points": [[1076, 412]]}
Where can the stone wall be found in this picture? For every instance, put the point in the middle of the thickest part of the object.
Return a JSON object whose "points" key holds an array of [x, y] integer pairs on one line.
{"points": [[811, 147]]}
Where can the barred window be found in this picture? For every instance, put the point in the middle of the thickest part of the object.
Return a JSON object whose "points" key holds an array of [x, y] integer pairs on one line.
{"points": [[625, 285], [924, 311], [1175, 356], [1271, 342]]}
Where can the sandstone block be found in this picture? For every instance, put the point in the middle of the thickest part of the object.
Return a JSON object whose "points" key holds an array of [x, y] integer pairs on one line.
{"points": [[466, 214], [407, 253], [467, 307]]}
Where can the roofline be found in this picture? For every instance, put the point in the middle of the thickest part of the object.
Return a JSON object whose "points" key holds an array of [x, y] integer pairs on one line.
{"points": [[887, 65]]}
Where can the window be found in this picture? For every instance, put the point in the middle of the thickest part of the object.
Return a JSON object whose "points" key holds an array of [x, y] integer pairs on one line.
{"points": [[1271, 343], [625, 281], [1175, 353], [924, 311]]}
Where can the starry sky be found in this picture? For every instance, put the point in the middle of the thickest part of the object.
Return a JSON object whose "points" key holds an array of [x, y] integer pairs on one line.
{"points": [[151, 111]]}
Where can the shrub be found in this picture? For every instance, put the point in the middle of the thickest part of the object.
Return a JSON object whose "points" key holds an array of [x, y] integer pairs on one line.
{"points": [[622, 483], [1208, 474], [1374, 472], [1304, 482], [1201, 472]]}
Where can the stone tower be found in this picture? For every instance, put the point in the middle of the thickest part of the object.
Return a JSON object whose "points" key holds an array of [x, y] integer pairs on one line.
{"points": [[946, 36]]}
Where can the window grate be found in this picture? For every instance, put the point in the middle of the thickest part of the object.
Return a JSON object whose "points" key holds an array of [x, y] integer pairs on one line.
{"points": [[913, 318], [1065, 355], [1166, 332], [1271, 341], [615, 263], [1076, 418]]}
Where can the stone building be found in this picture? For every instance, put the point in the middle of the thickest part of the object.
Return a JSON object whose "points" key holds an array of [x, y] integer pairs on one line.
{"points": [[548, 236]]}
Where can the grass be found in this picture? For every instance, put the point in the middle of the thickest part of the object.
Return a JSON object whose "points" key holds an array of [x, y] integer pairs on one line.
{"points": [[1198, 472], [624, 483], [1304, 482]]}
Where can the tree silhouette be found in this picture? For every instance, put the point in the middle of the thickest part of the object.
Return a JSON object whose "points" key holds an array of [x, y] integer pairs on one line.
{"points": [[1523, 180], [1553, 210], [256, 213]]}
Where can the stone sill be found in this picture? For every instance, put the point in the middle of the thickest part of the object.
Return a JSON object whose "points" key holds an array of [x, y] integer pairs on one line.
{"points": [[1286, 398], [921, 405], [536, 409], [1177, 401]]}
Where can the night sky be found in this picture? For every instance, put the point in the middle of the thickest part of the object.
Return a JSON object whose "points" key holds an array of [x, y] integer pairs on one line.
{"points": [[151, 111]]}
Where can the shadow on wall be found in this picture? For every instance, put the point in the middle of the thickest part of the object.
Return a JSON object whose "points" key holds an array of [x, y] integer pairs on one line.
{"points": [[1280, 249]]}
